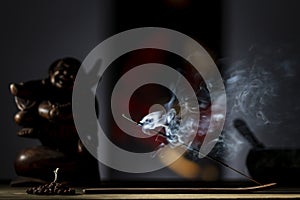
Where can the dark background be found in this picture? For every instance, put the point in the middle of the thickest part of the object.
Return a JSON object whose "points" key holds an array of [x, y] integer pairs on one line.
{"points": [[35, 33]]}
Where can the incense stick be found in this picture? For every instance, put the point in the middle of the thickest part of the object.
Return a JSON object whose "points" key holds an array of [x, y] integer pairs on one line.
{"points": [[197, 151]]}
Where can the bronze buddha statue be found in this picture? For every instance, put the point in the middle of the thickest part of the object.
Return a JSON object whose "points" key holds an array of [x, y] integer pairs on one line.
{"points": [[45, 113]]}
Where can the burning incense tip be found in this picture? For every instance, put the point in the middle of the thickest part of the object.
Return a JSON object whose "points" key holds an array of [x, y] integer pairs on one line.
{"points": [[129, 119]]}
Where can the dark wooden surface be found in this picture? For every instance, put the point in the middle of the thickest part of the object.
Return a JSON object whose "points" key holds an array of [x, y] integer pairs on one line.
{"points": [[7, 192]]}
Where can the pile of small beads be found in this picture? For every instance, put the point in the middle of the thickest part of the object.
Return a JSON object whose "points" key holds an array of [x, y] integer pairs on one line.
{"points": [[52, 188]]}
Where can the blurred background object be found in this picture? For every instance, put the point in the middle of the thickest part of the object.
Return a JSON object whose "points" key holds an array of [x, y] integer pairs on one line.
{"points": [[201, 20]]}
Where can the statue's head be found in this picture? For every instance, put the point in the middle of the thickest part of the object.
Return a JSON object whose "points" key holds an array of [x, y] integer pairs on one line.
{"points": [[63, 72]]}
